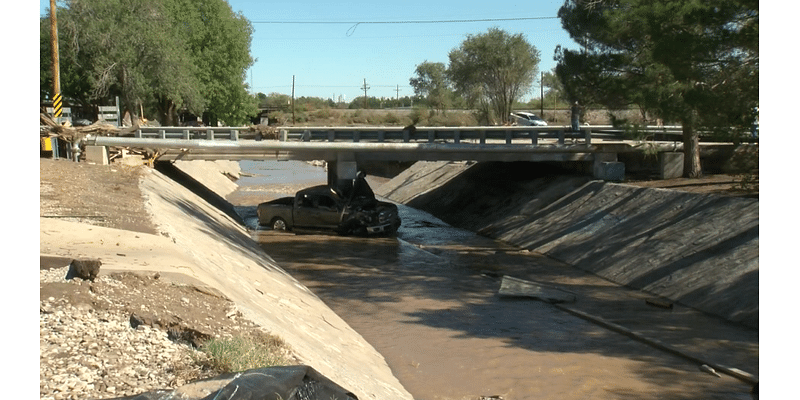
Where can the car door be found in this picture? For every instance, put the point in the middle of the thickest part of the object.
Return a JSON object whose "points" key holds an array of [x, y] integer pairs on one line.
{"points": [[316, 210]]}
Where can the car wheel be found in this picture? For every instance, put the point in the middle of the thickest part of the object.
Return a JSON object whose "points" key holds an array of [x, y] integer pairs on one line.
{"points": [[279, 224]]}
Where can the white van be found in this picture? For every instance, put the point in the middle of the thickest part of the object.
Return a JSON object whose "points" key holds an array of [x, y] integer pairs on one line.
{"points": [[527, 119]]}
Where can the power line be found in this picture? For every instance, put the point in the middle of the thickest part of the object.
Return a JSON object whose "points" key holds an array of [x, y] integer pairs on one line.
{"points": [[439, 21]]}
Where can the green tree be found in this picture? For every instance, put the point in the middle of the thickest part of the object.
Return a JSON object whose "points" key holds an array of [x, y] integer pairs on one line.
{"points": [[127, 48], [692, 61], [491, 70], [554, 89], [161, 55], [218, 42], [431, 82], [274, 99]]}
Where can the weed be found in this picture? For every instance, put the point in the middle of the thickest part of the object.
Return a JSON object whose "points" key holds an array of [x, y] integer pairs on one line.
{"points": [[241, 353]]}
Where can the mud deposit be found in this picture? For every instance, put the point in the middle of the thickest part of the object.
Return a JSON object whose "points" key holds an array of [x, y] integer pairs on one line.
{"points": [[427, 301]]}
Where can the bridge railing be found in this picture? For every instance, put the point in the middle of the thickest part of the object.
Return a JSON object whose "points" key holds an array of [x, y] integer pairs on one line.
{"points": [[481, 134], [185, 132]]}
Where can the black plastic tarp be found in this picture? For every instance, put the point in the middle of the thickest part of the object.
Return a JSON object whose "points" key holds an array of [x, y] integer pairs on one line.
{"points": [[275, 383]]}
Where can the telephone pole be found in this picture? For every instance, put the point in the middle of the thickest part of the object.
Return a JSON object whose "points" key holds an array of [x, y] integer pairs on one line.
{"points": [[365, 87], [541, 95], [292, 99], [56, 72]]}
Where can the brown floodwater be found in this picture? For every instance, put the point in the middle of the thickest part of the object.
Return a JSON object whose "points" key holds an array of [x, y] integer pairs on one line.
{"points": [[427, 301]]}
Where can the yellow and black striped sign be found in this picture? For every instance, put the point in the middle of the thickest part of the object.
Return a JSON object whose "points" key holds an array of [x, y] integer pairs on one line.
{"points": [[57, 106]]}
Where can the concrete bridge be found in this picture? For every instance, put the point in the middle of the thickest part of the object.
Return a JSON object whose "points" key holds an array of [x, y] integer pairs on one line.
{"points": [[344, 147]]}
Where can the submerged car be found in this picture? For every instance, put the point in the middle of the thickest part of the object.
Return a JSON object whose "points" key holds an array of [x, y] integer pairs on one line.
{"points": [[527, 119], [354, 211]]}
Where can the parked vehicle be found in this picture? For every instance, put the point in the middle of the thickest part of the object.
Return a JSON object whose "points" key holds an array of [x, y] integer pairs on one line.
{"points": [[527, 119], [323, 207]]}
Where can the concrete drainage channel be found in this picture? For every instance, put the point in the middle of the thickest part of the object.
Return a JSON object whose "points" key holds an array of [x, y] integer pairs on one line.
{"points": [[511, 236]]}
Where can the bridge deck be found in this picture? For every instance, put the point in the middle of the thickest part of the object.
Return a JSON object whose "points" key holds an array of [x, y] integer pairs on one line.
{"points": [[489, 143]]}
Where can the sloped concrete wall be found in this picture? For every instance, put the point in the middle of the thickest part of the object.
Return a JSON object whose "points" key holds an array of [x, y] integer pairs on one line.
{"points": [[225, 257], [699, 250]]}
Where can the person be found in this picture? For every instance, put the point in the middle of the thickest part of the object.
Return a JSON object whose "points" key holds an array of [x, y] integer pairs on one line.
{"points": [[576, 116]]}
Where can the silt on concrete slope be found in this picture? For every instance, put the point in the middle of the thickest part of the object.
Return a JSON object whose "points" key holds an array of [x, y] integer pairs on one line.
{"points": [[700, 250]]}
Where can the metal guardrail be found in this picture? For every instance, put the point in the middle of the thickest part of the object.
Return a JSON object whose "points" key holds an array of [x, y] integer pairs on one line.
{"points": [[455, 135], [482, 143]]}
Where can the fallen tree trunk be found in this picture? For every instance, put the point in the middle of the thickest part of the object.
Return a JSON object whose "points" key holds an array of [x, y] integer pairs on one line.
{"points": [[73, 134]]}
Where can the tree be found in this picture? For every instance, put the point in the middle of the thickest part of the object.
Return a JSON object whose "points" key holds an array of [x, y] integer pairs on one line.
{"points": [[692, 61], [493, 69], [218, 42], [124, 48], [161, 55], [431, 82]]}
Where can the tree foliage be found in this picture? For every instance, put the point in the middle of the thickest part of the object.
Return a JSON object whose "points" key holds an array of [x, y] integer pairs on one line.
{"points": [[691, 61], [431, 82], [162, 55], [493, 69]]}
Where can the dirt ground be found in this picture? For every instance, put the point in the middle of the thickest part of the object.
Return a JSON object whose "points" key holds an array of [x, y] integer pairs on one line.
{"points": [[724, 185], [109, 196]]}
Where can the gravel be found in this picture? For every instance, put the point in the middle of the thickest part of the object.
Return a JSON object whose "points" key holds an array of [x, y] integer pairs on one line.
{"points": [[91, 352]]}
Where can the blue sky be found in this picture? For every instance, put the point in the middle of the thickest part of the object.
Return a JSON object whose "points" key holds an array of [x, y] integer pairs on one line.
{"points": [[333, 58]]}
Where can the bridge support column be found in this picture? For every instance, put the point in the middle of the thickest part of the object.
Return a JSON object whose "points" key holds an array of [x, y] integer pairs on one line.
{"points": [[97, 155], [670, 165], [607, 168]]}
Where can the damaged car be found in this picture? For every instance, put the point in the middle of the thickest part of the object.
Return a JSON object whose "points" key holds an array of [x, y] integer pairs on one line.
{"points": [[350, 211]]}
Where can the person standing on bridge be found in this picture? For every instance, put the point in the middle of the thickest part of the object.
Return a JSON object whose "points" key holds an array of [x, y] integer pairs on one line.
{"points": [[576, 116]]}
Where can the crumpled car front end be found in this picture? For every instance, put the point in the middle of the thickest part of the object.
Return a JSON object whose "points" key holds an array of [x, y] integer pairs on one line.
{"points": [[383, 218]]}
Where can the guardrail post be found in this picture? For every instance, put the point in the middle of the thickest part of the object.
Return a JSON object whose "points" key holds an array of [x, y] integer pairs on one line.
{"points": [[509, 136], [431, 136], [588, 135], [162, 134], [234, 134], [381, 136], [331, 135], [482, 136], [356, 136], [210, 134], [534, 138], [456, 136], [186, 134], [138, 134], [561, 138], [405, 135], [284, 135]]}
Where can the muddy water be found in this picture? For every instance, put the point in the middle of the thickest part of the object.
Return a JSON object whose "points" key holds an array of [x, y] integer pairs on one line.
{"points": [[427, 300]]}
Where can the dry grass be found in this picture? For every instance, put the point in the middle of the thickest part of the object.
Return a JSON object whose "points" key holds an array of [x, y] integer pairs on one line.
{"points": [[241, 353]]}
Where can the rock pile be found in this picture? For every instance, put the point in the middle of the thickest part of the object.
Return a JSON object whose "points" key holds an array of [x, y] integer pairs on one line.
{"points": [[93, 352]]}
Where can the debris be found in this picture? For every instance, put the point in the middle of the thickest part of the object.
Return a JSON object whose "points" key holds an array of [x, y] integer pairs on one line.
{"points": [[657, 302], [84, 268], [706, 368], [514, 287]]}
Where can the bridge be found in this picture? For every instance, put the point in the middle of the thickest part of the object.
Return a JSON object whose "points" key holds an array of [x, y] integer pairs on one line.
{"points": [[344, 147]]}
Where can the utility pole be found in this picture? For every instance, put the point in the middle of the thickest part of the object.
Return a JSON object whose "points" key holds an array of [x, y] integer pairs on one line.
{"points": [[56, 72], [398, 92], [292, 99], [541, 95], [365, 87]]}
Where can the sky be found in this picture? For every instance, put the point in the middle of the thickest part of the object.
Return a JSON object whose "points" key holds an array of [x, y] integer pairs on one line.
{"points": [[322, 45]]}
